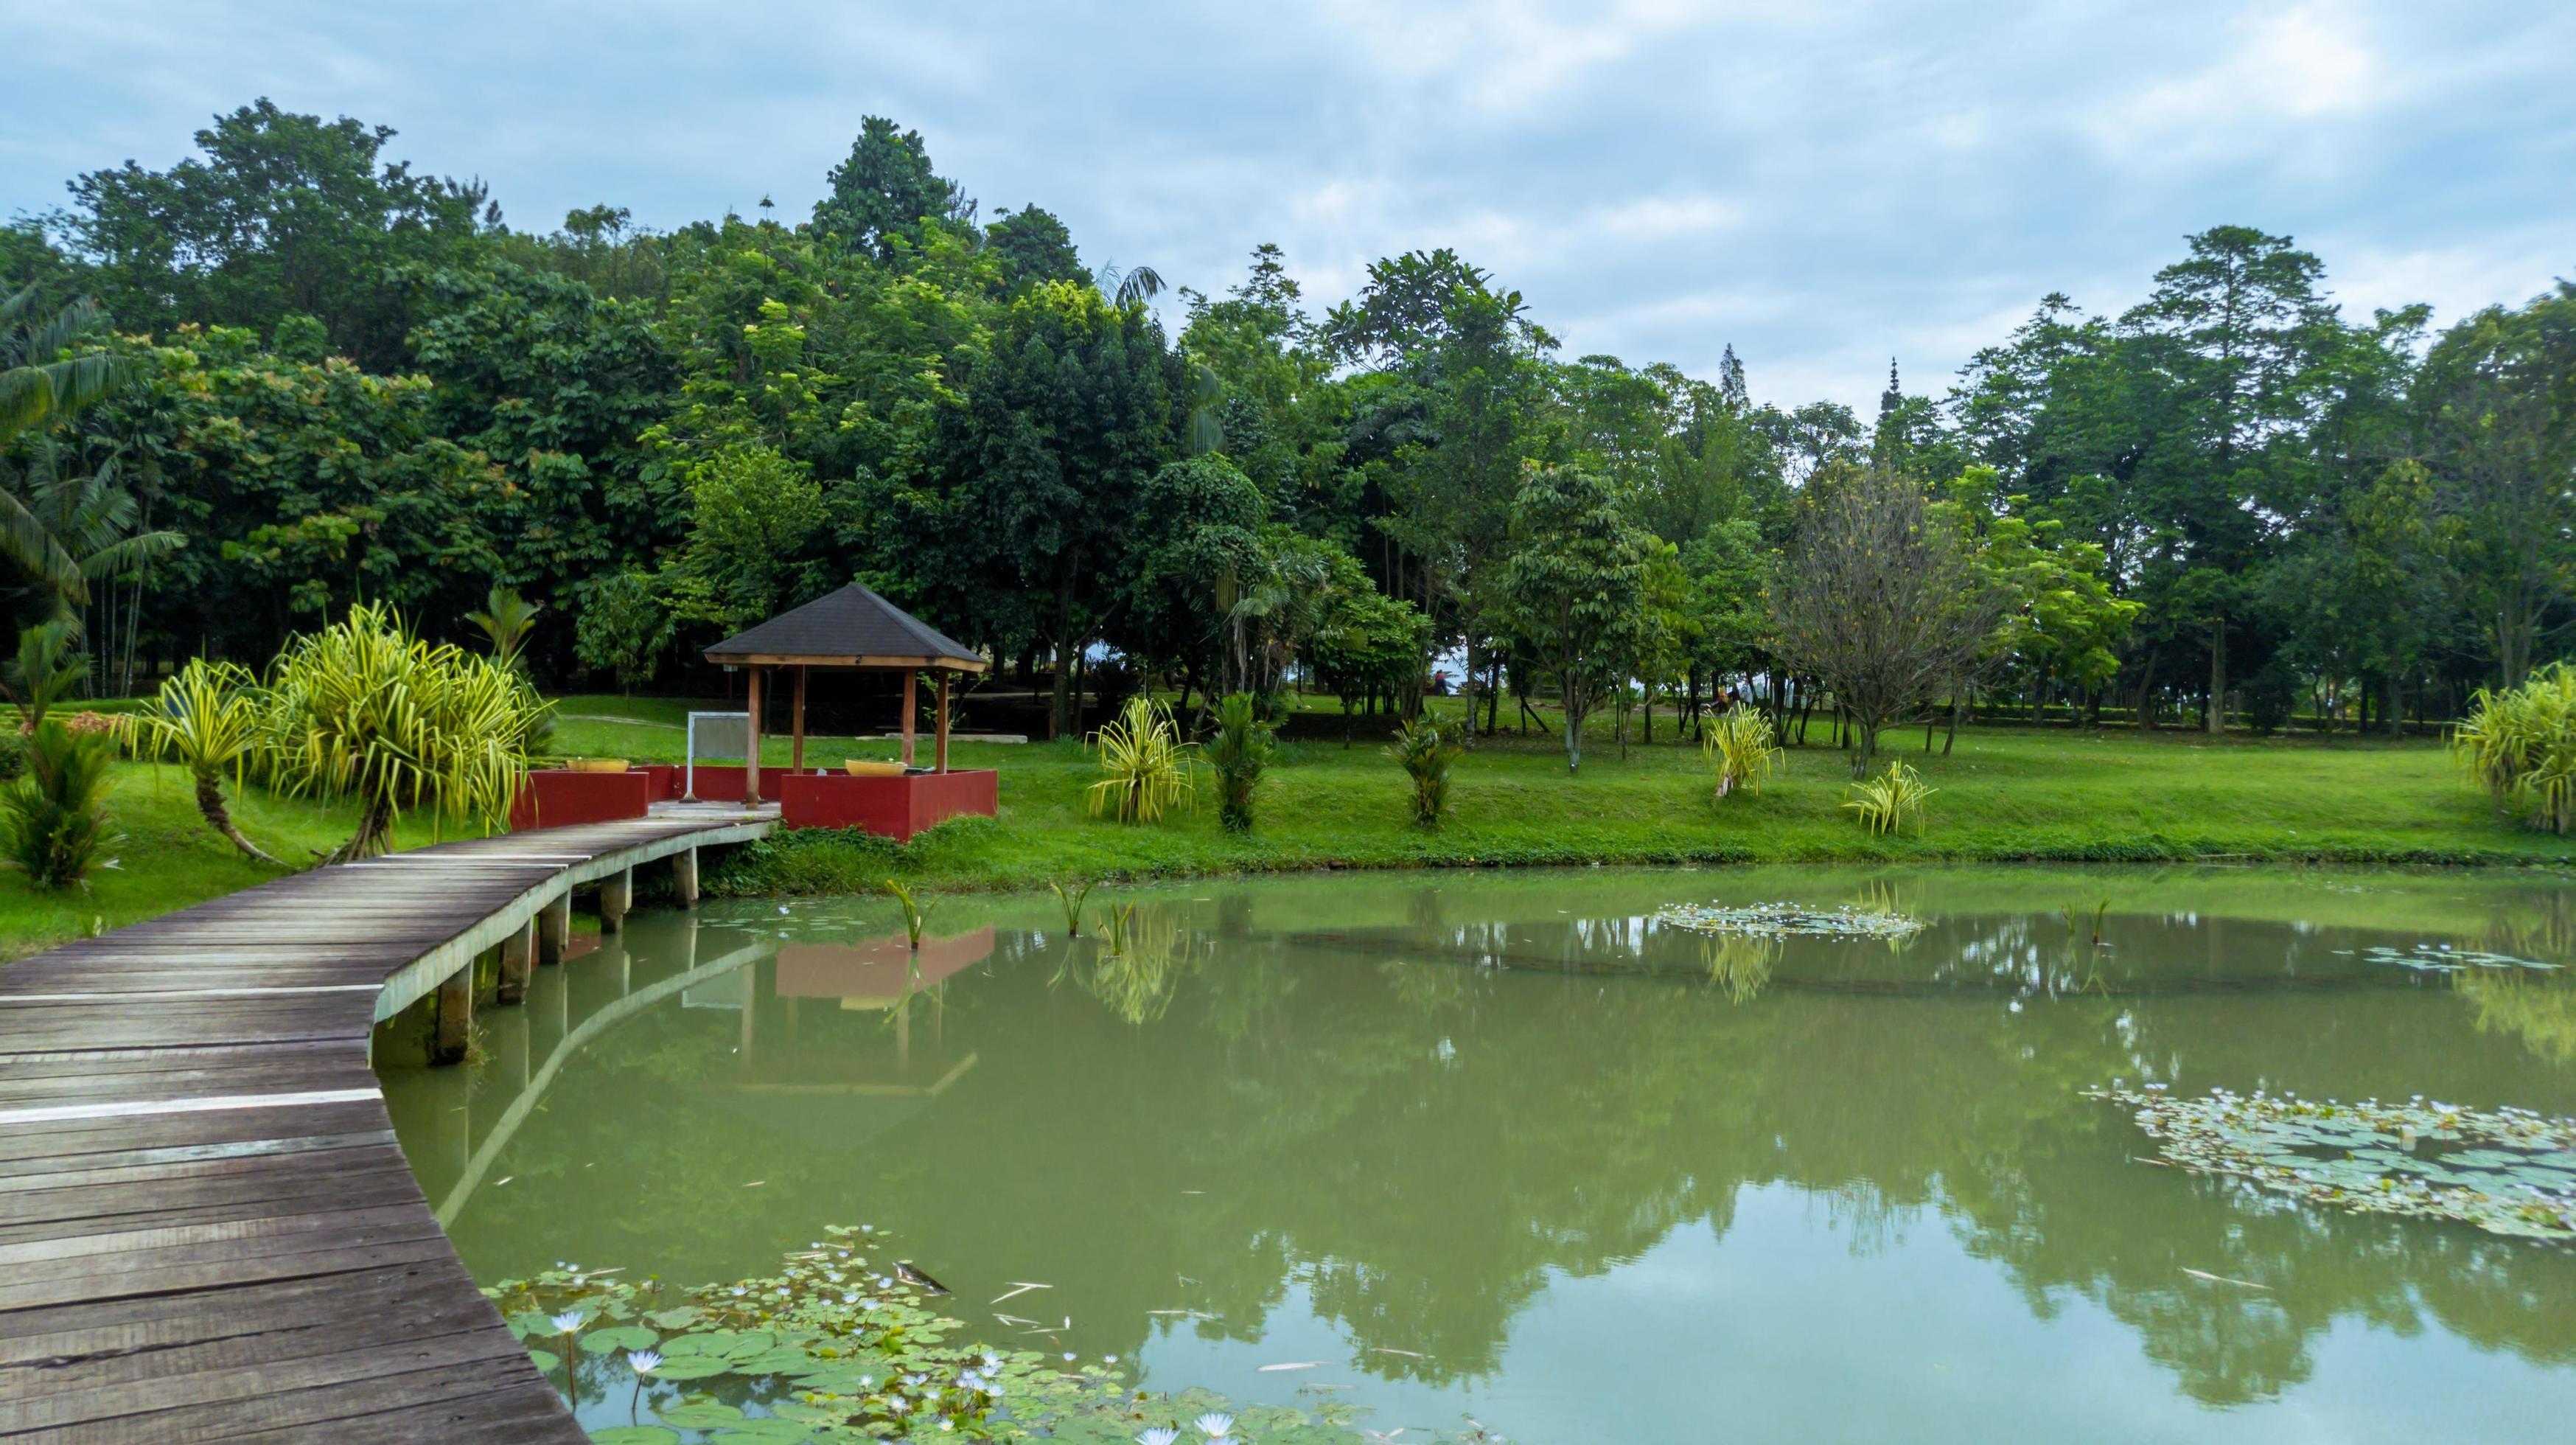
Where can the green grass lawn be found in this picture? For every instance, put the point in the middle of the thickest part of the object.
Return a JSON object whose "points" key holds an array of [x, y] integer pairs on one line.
{"points": [[2003, 795]]}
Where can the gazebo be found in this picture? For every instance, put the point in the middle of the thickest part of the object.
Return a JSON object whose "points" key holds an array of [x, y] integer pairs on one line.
{"points": [[852, 629]]}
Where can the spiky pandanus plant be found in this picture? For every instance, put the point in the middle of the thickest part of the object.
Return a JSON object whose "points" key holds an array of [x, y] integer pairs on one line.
{"points": [[365, 710], [1144, 765], [1740, 746], [2520, 745], [208, 717]]}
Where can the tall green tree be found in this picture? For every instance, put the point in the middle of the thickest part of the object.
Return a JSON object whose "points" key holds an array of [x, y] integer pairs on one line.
{"points": [[279, 214], [2498, 404], [885, 189], [1577, 584]]}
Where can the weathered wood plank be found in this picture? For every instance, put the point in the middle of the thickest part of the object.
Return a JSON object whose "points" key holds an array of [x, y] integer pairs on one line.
{"points": [[207, 1229]]}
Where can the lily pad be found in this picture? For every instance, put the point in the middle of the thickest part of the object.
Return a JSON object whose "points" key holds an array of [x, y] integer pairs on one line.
{"points": [[618, 1337], [635, 1435], [692, 1367], [700, 1414], [2364, 1157]]}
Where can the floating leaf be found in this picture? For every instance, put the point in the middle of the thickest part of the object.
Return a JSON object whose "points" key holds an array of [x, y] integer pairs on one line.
{"points": [[700, 1414], [618, 1337], [692, 1367], [546, 1361], [635, 1435], [1777, 920]]}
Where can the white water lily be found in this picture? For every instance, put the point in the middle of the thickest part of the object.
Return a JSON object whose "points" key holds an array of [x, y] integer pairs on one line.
{"points": [[1217, 1426], [1158, 1435], [645, 1362], [568, 1321]]}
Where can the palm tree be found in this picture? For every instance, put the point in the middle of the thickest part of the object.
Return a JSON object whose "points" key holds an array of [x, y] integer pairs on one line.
{"points": [[37, 381], [70, 531], [507, 619], [1131, 286]]}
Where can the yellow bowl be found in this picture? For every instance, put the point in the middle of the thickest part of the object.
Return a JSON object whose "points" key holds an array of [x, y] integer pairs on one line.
{"points": [[860, 769], [597, 765]]}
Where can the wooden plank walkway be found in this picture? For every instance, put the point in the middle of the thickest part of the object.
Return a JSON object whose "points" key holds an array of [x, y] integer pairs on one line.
{"points": [[207, 1231]]}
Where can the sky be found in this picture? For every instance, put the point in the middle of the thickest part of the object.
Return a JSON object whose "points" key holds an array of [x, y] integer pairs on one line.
{"points": [[1824, 185]]}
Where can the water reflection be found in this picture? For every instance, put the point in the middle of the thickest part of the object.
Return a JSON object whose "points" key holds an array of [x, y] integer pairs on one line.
{"points": [[1431, 1127]]}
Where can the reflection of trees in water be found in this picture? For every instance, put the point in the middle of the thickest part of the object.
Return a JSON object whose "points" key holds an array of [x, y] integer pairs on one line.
{"points": [[1740, 964], [1423, 1145], [2538, 1007]]}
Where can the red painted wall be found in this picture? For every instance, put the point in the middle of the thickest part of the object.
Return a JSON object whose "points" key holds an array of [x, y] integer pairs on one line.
{"points": [[558, 798], [896, 808], [722, 783]]}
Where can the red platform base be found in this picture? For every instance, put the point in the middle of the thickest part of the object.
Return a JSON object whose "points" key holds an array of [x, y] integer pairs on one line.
{"points": [[896, 808], [722, 782], [559, 797]]}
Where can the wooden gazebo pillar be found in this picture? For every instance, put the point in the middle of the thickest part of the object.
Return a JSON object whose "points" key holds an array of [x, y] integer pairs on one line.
{"points": [[939, 752], [909, 708], [751, 746], [796, 751]]}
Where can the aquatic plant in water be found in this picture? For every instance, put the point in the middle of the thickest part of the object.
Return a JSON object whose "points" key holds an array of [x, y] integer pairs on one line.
{"points": [[831, 1350], [2443, 958], [2507, 1172], [1781, 920]]}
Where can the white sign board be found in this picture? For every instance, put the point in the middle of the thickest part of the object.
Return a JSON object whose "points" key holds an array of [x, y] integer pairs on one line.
{"points": [[716, 731]]}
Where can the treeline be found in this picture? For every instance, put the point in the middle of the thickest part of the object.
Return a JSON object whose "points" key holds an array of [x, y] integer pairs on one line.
{"points": [[336, 380]]}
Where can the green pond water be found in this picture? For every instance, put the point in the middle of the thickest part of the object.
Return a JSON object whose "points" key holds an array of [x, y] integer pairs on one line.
{"points": [[1493, 1145]]}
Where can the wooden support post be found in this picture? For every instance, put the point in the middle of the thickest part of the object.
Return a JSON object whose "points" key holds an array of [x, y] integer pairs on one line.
{"points": [[616, 895], [518, 951], [684, 878], [796, 753], [554, 928], [455, 1016], [908, 706], [939, 750], [751, 746]]}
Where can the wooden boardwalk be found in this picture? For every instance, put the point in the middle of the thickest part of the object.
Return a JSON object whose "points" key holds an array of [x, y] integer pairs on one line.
{"points": [[207, 1230]]}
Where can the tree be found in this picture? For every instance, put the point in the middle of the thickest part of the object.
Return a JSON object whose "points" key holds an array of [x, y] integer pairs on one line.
{"points": [[2498, 402], [754, 512], [1196, 537], [885, 189], [1037, 464], [1034, 247], [46, 372], [623, 628], [280, 215], [1878, 600], [362, 709], [208, 715], [2233, 330], [1470, 355], [1365, 643], [505, 619], [1577, 586]]}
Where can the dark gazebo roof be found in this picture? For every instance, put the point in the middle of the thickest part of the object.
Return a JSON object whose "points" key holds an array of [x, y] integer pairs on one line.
{"points": [[853, 627]]}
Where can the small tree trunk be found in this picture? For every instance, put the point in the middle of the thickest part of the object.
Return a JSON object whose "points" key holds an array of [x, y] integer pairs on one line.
{"points": [[2217, 678], [375, 825], [1573, 727], [210, 802]]}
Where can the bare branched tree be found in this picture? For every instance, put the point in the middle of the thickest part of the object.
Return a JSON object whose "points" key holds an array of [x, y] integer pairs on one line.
{"points": [[1880, 601]]}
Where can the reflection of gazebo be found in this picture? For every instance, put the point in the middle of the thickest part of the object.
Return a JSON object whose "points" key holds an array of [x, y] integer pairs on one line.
{"points": [[853, 628]]}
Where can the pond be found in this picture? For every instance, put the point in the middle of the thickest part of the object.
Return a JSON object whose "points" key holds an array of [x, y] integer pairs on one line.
{"points": [[1495, 1145]]}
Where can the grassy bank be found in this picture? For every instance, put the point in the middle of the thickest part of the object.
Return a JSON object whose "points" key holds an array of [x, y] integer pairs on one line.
{"points": [[2004, 794]]}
